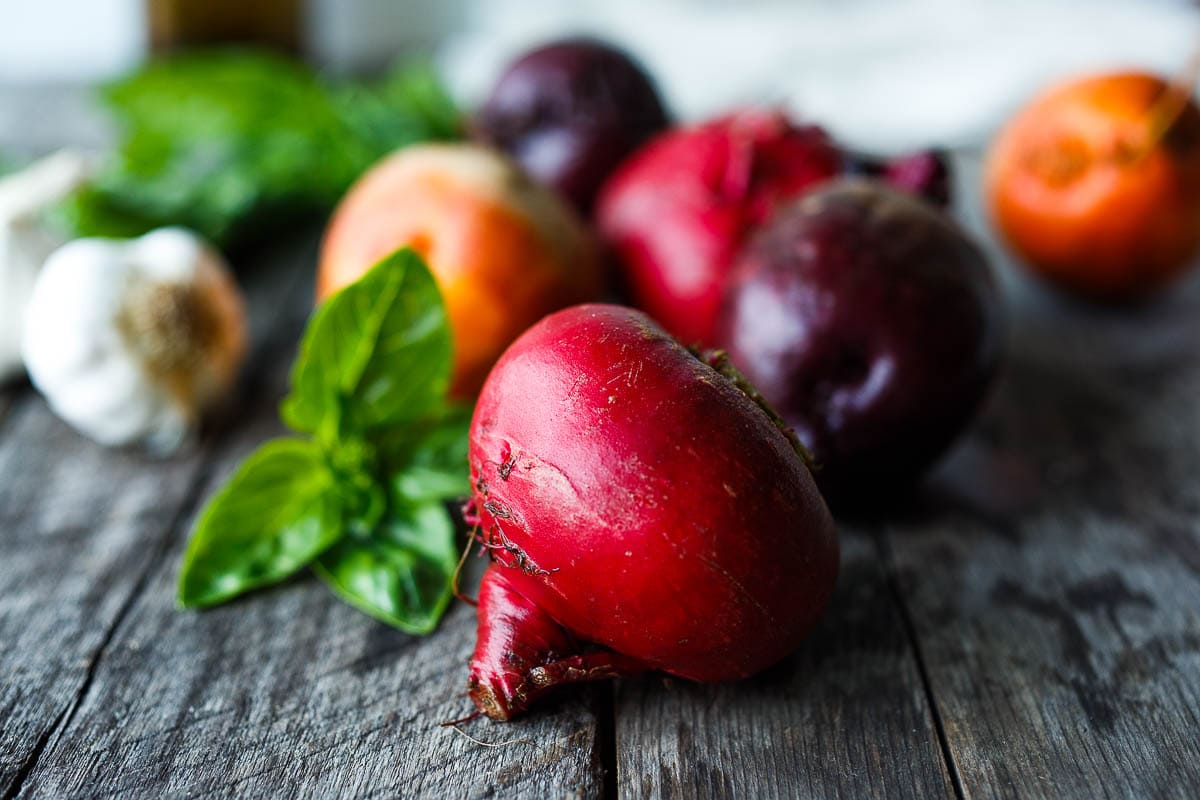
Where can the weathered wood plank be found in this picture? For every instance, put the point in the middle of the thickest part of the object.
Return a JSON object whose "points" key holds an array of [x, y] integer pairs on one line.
{"points": [[846, 716], [292, 693], [1052, 570], [72, 549], [79, 528]]}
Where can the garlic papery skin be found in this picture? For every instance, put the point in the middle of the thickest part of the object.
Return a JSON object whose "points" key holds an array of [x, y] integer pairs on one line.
{"points": [[25, 239], [131, 340]]}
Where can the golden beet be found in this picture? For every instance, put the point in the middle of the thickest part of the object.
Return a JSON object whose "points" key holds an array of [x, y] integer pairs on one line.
{"points": [[504, 251]]}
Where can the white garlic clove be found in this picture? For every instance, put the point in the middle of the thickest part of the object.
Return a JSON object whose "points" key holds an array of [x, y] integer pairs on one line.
{"points": [[130, 341]]}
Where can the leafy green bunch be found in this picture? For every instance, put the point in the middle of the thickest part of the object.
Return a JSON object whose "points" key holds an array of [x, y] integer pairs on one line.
{"points": [[361, 499], [235, 144]]}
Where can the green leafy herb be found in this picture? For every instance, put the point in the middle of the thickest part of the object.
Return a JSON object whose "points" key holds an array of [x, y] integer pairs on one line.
{"points": [[427, 463], [377, 356], [397, 572], [409, 105], [275, 515], [236, 143], [363, 502]]}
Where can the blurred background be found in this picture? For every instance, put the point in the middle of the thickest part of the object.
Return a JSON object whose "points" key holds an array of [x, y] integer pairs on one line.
{"points": [[886, 76]]}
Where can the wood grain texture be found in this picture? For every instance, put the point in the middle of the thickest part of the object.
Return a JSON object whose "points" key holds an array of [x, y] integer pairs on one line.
{"points": [[80, 526], [72, 550], [291, 692], [1052, 569], [846, 716]]}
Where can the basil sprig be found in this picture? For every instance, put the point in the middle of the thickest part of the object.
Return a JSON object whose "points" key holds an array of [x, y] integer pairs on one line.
{"points": [[362, 501]]}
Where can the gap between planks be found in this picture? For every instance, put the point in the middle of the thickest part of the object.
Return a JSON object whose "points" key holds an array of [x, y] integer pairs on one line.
{"points": [[888, 562], [163, 547], [605, 709]]}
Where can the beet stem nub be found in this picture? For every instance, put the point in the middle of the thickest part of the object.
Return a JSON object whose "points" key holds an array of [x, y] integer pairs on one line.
{"points": [[522, 653]]}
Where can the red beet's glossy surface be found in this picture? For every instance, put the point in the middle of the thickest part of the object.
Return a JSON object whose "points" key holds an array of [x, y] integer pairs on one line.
{"points": [[676, 211], [645, 503], [872, 324]]}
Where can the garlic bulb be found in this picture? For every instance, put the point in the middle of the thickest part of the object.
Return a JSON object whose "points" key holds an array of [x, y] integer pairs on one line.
{"points": [[25, 240], [130, 340]]}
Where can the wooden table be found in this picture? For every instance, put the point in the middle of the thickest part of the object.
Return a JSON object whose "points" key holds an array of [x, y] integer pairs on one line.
{"points": [[1027, 626]]}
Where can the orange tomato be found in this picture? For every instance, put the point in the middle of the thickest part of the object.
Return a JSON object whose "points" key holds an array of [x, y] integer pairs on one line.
{"points": [[504, 251], [1096, 184]]}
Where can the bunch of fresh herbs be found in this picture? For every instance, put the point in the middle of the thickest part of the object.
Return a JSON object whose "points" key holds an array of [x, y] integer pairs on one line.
{"points": [[236, 144]]}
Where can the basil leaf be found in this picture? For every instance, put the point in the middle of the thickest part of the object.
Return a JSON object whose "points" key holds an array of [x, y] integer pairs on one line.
{"points": [[427, 461], [274, 516], [376, 353], [399, 573]]}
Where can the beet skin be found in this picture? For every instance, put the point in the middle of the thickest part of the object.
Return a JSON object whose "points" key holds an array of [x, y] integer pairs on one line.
{"points": [[643, 511], [873, 325], [569, 112], [679, 208]]}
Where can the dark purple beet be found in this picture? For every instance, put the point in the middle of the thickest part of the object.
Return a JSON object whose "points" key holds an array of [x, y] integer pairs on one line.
{"points": [[872, 324], [570, 112]]}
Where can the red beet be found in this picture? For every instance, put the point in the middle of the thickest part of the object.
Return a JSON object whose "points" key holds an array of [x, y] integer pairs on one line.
{"points": [[643, 510], [677, 210]]}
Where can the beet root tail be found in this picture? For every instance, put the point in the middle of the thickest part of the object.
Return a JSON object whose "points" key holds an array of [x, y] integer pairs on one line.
{"points": [[521, 653]]}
